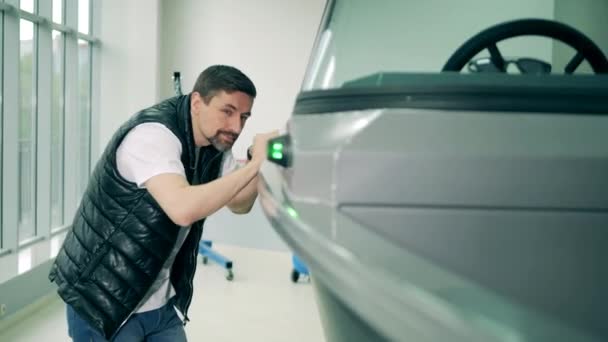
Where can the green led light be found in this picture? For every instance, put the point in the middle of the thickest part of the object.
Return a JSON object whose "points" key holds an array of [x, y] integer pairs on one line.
{"points": [[278, 151], [292, 212]]}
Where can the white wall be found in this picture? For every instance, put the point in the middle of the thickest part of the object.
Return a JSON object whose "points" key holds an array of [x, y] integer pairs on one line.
{"points": [[270, 41], [129, 62]]}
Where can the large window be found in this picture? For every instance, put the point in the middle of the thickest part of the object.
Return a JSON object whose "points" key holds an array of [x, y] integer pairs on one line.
{"points": [[1, 115], [47, 51], [27, 113], [83, 16], [27, 5], [84, 109], [57, 128], [58, 11], [84, 96]]}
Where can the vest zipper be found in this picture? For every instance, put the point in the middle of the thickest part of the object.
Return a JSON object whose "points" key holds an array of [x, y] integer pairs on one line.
{"points": [[191, 285], [195, 254]]}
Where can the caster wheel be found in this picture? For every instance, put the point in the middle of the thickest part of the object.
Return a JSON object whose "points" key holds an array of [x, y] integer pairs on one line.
{"points": [[205, 260], [230, 275], [295, 275]]}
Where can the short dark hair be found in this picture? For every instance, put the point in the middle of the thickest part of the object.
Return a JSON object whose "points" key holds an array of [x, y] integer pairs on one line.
{"points": [[222, 77]]}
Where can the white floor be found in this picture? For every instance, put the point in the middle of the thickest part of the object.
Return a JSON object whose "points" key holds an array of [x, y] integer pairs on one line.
{"points": [[260, 304]]}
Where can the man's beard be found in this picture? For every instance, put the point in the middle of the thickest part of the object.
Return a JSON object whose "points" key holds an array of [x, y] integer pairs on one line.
{"points": [[220, 145]]}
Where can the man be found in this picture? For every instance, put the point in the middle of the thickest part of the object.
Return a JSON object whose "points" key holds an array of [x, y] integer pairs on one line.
{"points": [[126, 267]]}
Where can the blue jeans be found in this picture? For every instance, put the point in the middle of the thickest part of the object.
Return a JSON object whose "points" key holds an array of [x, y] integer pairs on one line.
{"points": [[158, 325]]}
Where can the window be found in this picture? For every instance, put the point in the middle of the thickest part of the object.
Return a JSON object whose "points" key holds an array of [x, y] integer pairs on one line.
{"points": [[45, 141], [57, 129], [84, 111], [27, 145], [1, 129], [27, 5], [58, 11], [83, 16]]}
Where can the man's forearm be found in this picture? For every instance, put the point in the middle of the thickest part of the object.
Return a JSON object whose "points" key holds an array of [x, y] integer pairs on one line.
{"points": [[185, 203], [243, 201]]}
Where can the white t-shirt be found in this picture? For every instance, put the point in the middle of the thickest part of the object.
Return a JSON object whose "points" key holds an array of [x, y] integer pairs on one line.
{"points": [[148, 150]]}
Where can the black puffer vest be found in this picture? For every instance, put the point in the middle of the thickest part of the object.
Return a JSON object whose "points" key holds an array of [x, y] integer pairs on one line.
{"points": [[120, 237]]}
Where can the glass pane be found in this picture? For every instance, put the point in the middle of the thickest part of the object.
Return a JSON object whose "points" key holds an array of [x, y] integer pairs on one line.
{"points": [[84, 113], [26, 133], [58, 11], [27, 5], [83, 16], [57, 124], [1, 113], [363, 41], [56, 242], [24, 261]]}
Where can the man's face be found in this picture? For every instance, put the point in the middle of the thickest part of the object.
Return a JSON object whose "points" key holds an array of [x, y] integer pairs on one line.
{"points": [[220, 121]]}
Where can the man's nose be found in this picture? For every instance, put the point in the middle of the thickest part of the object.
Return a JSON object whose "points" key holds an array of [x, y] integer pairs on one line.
{"points": [[235, 124]]}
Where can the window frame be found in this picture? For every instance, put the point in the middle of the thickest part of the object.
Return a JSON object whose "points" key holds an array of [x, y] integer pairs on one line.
{"points": [[10, 16]]}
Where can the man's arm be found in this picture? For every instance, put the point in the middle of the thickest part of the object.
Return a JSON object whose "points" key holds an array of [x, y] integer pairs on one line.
{"points": [[186, 204], [244, 200]]}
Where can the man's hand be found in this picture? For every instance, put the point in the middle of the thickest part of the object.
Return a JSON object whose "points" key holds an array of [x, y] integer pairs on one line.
{"points": [[260, 146], [243, 201]]}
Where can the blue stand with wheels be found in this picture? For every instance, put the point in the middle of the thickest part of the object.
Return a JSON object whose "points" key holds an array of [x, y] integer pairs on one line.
{"points": [[299, 269], [204, 249]]}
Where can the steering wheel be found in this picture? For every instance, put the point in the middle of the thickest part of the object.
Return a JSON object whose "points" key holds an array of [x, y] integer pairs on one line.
{"points": [[488, 38]]}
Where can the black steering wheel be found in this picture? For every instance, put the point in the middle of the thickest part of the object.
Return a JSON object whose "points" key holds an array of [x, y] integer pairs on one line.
{"points": [[488, 38]]}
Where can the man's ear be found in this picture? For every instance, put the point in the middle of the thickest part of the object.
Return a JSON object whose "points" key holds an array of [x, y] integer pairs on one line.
{"points": [[195, 101]]}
